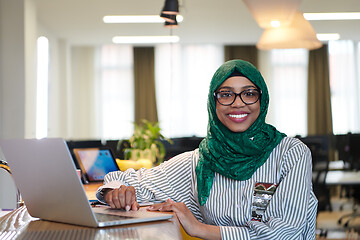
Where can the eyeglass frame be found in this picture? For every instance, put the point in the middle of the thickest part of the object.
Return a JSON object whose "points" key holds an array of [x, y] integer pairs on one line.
{"points": [[238, 94]]}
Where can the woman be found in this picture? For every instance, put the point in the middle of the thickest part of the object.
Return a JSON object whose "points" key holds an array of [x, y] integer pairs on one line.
{"points": [[246, 181]]}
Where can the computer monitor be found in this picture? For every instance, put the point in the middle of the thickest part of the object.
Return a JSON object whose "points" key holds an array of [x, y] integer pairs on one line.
{"points": [[354, 147], [95, 163]]}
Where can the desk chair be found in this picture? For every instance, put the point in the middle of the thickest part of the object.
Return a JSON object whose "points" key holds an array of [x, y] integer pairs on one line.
{"points": [[321, 190], [349, 149], [342, 148], [355, 213], [4, 165], [181, 145], [319, 147]]}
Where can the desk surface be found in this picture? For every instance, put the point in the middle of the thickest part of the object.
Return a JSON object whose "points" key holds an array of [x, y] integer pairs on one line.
{"points": [[342, 178], [18, 224], [90, 190]]}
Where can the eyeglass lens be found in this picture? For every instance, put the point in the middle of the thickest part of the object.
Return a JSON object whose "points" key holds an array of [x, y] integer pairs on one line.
{"points": [[248, 96]]}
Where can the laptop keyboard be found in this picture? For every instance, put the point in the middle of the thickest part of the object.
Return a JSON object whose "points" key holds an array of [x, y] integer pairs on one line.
{"points": [[82, 234]]}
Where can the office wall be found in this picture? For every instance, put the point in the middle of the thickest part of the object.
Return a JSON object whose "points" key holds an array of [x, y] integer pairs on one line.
{"points": [[19, 31], [59, 84], [30, 30], [17, 77], [265, 69], [82, 92], [71, 88], [12, 70]]}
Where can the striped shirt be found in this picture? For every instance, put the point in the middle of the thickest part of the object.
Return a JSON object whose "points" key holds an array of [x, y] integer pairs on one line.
{"points": [[290, 214]]}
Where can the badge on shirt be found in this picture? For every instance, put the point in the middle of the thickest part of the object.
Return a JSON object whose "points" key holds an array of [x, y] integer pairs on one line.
{"points": [[263, 193]]}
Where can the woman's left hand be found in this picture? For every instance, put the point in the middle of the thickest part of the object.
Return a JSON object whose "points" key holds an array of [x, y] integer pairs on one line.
{"points": [[187, 220]]}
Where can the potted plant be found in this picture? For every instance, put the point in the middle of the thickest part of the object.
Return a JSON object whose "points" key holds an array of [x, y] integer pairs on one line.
{"points": [[145, 143]]}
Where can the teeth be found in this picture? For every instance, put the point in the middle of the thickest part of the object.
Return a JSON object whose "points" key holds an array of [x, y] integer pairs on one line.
{"points": [[238, 116]]}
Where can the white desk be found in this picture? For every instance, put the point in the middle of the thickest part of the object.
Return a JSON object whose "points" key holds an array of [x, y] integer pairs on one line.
{"points": [[343, 178], [338, 165]]}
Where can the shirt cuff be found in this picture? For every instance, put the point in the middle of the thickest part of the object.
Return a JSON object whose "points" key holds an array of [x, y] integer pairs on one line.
{"points": [[101, 190]]}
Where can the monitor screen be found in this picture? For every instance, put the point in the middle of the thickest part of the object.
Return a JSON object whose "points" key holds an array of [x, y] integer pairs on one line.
{"points": [[95, 163]]}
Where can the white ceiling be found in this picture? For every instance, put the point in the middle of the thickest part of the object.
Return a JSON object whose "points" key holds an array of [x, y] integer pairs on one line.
{"points": [[79, 22]]}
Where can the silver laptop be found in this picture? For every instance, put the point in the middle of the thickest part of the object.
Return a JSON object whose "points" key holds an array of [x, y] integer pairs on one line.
{"points": [[46, 176]]}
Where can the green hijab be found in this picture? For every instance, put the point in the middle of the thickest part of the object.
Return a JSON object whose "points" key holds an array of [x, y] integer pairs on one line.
{"points": [[234, 155]]}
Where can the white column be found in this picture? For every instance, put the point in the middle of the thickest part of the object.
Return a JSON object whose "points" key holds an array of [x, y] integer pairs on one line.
{"points": [[12, 71], [17, 77]]}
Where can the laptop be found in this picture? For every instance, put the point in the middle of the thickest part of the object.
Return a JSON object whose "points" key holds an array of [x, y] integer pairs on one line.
{"points": [[45, 174]]}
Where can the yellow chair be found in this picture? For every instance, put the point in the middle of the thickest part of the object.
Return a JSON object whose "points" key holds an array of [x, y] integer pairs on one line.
{"points": [[185, 236]]}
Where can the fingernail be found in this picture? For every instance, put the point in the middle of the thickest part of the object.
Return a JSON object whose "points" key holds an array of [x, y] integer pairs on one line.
{"points": [[127, 208]]}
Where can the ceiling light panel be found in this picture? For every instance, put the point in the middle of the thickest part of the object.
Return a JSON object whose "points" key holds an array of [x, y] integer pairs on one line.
{"points": [[332, 16], [145, 39], [137, 19], [328, 36]]}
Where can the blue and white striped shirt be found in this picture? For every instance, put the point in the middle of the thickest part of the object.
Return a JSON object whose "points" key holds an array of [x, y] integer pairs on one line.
{"points": [[290, 214]]}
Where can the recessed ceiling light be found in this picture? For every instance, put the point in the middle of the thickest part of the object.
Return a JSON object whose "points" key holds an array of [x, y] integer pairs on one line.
{"points": [[275, 23], [332, 16], [328, 36], [145, 39], [137, 19]]}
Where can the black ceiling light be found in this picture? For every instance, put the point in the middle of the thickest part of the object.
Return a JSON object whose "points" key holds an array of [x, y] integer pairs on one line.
{"points": [[171, 24], [168, 17], [171, 7]]}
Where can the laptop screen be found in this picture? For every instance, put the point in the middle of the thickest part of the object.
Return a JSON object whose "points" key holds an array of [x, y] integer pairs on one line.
{"points": [[95, 163]]}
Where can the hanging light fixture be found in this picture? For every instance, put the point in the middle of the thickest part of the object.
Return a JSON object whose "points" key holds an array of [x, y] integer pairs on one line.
{"points": [[168, 17], [171, 24], [171, 7], [268, 12], [299, 34]]}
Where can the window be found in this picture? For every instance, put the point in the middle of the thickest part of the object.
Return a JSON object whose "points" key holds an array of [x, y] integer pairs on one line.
{"points": [[344, 84], [288, 90], [183, 74], [115, 92], [42, 87]]}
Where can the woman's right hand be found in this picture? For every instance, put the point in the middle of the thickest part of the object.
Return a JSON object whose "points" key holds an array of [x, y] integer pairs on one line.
{"points": [[123, 197]]}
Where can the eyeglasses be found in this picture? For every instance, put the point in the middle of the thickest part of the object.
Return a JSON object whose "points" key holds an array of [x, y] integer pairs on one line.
{"points": [[248, 96]]}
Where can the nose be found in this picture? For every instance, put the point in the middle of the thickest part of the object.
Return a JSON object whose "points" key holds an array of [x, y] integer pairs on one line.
{"points": [[238, 102]]}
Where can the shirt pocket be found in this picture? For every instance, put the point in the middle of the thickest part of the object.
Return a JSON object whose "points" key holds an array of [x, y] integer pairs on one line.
{"points": [[262, 195]]}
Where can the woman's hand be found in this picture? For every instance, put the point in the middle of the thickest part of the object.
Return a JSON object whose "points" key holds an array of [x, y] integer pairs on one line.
{"points": [[188, 221], [123, 197]]}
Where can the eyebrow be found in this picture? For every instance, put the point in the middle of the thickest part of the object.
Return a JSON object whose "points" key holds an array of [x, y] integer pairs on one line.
{"points": [[231, 88]]}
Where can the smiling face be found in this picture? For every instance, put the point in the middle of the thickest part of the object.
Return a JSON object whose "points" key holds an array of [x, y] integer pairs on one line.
{"points": [[237, 117]]}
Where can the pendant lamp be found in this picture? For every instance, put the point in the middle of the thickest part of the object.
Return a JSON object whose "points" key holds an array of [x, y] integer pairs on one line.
{"points": [[171, 7], [267, 11], [173, 24], [299, 34], [168, 17]]}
